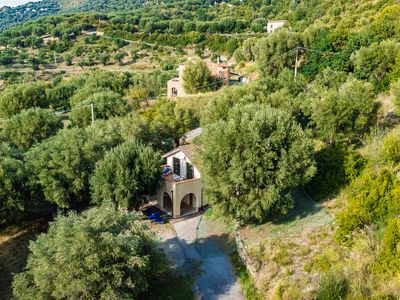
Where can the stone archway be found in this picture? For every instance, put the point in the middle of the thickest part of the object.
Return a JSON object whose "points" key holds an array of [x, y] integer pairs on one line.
{"points": [[188, 204], [167, 204]]}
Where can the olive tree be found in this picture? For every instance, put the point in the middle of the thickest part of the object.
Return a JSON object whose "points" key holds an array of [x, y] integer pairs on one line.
{"points": [[30, 127], [251, 161], [62, 164], [18, 97], [197, 77], [100, 254], [125, 174], [13, 189]]}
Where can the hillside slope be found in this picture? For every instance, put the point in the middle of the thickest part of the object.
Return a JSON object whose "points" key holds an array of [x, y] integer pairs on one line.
{"points": [[11, 16]]}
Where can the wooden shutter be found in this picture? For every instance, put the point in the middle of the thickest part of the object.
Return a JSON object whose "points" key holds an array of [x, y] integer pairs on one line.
{"points": [[177, 166], [189, 171]]}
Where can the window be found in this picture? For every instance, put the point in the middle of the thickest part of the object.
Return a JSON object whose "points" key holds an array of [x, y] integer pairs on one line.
{"points": [[177, 166], [174, 92], [189, 171]]}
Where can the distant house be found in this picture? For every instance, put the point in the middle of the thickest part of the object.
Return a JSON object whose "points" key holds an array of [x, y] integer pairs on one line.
{"points": [[181, 190], [218, 70], [275, 24]]}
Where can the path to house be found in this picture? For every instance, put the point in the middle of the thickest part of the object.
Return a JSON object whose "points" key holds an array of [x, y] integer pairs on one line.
{"points": [[216, 279]]}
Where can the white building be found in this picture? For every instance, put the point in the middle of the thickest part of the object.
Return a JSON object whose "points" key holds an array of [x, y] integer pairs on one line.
{"points": [[275, 24], [181, 191]]}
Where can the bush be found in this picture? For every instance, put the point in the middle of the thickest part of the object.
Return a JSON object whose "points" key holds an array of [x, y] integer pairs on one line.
{"points": [[331, 287], [336, 166], [391, 147], [396, 95], [100, 254], [389, 256], [375, 197]]}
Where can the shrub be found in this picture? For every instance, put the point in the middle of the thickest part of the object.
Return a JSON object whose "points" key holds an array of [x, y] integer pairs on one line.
{"points": [[336, 166], [396, 94], [389, 256], [375, 197], [391, 147], [331, 286]]}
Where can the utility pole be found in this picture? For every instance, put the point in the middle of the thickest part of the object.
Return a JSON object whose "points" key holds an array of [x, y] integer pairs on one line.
{"points": [[55, 57], [296, 63], [92, 110]]}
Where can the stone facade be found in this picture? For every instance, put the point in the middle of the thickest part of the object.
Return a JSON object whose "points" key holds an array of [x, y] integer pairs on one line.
{"points": [[175, 87], [275, 24], [181, 192]]}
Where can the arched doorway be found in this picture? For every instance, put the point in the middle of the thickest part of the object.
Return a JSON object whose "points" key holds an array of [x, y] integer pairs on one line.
{"points": [[188, 204], [167, 203]]}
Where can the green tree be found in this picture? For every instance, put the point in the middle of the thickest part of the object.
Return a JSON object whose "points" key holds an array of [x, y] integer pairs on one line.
{"points": [[277, 51], [62, 164], [30, 127], [251, 162], [125, 174], [104, 58], [13, 188], [100, 254], [345, 112], [197, 77], [68, 59], [119, 57], [18, 97], [106, 104], [376, 61]]}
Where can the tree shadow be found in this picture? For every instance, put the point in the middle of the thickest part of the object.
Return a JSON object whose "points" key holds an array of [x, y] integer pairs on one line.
{"points": [[14, 251], [303, 207]]}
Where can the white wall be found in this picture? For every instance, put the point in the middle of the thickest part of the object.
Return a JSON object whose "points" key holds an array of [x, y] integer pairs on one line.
{"points": [[183, 159], [272, 26]]}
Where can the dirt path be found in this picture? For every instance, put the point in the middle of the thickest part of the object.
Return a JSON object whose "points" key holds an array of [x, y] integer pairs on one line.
{"points": [[217, 279]]}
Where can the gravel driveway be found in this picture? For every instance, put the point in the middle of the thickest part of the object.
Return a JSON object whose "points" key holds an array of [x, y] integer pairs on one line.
{"points": [[217, 279]]}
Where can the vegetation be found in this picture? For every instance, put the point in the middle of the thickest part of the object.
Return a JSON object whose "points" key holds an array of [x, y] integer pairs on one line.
{"points": [[266, 154], [30, 127], [116, 257], [125, 174], [331, 127], [197, 77]]}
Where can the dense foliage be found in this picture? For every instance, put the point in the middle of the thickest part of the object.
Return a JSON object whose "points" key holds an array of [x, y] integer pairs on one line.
{"points": [[13, 185], [30, 127], [252, 161], [62, 164], [197, 77], [103, 254], [125, 175]]}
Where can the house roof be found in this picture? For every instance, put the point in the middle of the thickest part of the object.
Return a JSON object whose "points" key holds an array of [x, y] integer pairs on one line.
{"points": [[190, 135], [188, 150]]}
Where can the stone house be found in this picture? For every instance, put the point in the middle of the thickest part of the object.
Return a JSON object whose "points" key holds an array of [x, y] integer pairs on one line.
{"points": [[218, 70], [275, 24], [181, 190]]}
